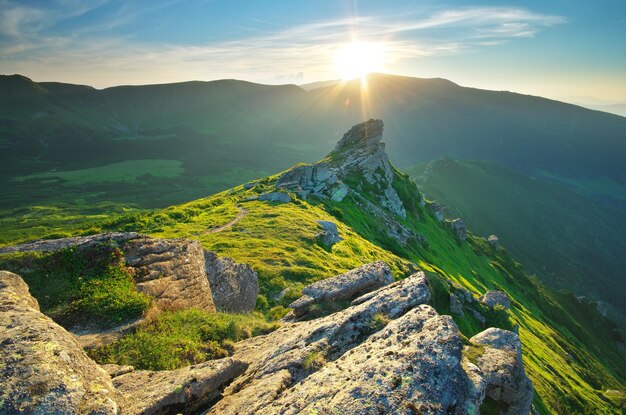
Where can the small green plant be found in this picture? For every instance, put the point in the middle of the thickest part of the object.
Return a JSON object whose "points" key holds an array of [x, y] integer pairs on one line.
{"points": [[473, 352], [379, 321], [314, 361], [278, 312]]}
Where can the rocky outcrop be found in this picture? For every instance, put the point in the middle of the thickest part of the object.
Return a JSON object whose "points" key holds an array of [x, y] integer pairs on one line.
{"points": [[276, 197], [288, 355], [234, 286], [459, 229], [359, 154], [358, 168], [502, 377], [170, 270], [43, 369], [496, 297], [385, 373], [185, 390], [388, 352], [358, 281], [330, 235]]}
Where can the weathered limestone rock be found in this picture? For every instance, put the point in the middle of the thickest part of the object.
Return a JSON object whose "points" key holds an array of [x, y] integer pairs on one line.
{"points": [[93, 337], [43, 370], [358, 281], [234, 286], [330, 235], [502, 370], [277, 197], [387, 353], [493, 240], [170, 270], [117, 370], [459, 229], [495, 297], [412, 363], [462, 293], [185, 390], [279, 360]]}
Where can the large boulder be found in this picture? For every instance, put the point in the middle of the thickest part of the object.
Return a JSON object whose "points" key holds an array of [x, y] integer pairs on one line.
{"points": [[496, 297], [503, 379], [329, 235], [411, 364], [346, 286], [234, 286], [170, 270], [43, 369], [185, 390]]}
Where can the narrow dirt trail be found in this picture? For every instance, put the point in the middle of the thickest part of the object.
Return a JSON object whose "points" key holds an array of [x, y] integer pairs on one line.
{"points": [[242, 214]]}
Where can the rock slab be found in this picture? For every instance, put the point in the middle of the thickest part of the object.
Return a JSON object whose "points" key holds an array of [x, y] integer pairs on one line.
{"points": [[366, 278], [185, 390]]}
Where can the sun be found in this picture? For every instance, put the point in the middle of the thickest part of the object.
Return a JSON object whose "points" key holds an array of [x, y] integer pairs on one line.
{"points": [[357, 59]]}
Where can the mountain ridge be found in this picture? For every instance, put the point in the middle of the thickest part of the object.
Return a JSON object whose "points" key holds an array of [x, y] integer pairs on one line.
{"points": [[225, 132]]}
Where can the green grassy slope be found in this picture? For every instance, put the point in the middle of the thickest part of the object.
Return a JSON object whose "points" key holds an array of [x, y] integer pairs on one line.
{"points": [[571, 241], [569, 349]]}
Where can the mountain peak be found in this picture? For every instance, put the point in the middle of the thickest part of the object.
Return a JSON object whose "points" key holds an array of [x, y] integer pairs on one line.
{"points": [[363, 138], [358, 166]]}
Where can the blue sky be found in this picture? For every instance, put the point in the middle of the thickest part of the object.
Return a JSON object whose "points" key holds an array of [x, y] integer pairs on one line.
{"points": [[554, 48]]}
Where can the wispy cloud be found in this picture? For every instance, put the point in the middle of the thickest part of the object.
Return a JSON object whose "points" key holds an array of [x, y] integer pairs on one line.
{"points": [[267, 52]]}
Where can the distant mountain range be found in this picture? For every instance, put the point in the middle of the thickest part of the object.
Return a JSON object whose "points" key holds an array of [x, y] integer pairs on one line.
{"points": [[130, 143]]}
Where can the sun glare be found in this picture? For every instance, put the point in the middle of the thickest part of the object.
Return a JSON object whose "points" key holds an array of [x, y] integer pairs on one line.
{"points": [[357, 59]]}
